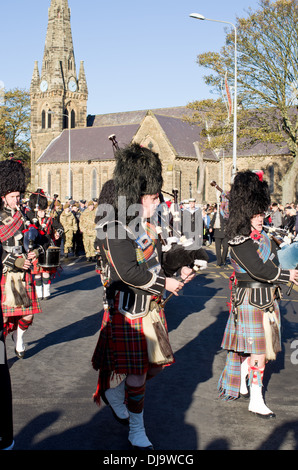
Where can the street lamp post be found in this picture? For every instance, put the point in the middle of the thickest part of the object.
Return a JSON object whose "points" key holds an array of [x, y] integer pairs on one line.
{"points": [[201, 17], [69, 151]]}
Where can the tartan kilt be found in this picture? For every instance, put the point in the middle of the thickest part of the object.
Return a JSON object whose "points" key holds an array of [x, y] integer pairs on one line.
{"points": [[21, 311], [122, 346], [248, 335]]}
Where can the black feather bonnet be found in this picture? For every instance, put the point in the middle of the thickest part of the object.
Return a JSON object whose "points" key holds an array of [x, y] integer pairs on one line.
{"points": [[38, 200], [12, 177], [248, 197], [138, 172]]}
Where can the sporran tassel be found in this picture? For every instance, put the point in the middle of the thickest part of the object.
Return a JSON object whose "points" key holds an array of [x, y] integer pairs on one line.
{"points": [[158, 346], [272, 335], [15, 292]]}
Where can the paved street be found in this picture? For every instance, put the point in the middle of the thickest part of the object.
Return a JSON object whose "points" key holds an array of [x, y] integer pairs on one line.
{"points": [[54, 383]]}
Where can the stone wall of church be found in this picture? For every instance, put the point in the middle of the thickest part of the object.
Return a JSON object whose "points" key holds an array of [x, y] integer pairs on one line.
{"points": [[178, 173], [274, 167], [86, 179]]}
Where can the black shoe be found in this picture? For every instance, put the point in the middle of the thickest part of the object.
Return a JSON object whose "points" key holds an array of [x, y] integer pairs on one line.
{"points": [[142, 449], [267, 416]]}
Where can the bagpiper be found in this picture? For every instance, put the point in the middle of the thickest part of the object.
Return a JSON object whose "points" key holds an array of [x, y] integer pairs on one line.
{"points": [[252, 334], [18, 296], [133, 340], [47, 228]]}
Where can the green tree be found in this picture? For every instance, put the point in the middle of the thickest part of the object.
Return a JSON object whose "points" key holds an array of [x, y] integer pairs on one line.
{"points": [[267, 83], [15, 124]]}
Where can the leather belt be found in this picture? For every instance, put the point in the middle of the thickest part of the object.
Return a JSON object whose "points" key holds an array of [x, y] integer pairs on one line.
{"points": [[253, 284]]}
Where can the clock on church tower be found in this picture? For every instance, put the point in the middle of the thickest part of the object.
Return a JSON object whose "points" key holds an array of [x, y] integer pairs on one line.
{"points": [[57, 91]]}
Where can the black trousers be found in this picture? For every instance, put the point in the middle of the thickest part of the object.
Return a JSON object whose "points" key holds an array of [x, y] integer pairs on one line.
{"points": [[6, 423], [221, 249]]}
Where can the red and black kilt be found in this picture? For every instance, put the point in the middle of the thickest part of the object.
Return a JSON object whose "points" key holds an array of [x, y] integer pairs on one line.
{"points": [[248, 336], [21, 311], [121, 348]]}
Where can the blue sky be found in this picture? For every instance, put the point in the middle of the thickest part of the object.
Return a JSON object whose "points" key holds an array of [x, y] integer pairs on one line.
{"points": [[137, 54]]}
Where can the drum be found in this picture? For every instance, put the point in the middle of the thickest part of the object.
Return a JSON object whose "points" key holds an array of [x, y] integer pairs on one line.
{"points": [[51, 258]]}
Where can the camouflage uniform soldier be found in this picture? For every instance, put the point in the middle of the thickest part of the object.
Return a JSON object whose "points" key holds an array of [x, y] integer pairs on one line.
{"points": [[87, 227], [67, 219]]}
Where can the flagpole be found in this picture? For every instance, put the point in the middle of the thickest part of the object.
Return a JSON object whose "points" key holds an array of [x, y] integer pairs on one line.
{"points": [[201, 17]]}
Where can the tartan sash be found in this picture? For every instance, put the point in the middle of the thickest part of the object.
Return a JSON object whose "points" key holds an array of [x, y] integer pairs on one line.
{"points": [[7, 230], [264, 249]]}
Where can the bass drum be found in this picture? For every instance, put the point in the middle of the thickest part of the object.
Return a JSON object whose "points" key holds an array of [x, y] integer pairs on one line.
{"points": [[51, 258]]}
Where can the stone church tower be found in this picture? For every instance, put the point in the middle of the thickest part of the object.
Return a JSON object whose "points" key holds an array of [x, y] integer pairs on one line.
{"points": [[58, 96]]}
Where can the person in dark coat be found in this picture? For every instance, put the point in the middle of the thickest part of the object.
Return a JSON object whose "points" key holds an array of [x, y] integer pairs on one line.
{"points": [[217, 226], [135, 282]]}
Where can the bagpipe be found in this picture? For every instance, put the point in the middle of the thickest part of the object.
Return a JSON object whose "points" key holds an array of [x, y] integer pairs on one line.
{"points": [[287, 248], [37, 238]]}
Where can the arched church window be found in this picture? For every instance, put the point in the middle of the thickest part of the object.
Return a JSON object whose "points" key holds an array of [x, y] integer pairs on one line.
{"points": [[80, 187], [94, 184], [65, 119], [58, 182], [73, 119], [49, 119], [49, 183], [43, 119], [271, 178]]}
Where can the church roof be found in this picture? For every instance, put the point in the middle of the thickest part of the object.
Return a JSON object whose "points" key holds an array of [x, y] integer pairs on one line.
{"points": [[90, 143]]}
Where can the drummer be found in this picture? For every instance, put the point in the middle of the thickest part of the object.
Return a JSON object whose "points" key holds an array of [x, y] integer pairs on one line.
{"points": [[48, 228]]}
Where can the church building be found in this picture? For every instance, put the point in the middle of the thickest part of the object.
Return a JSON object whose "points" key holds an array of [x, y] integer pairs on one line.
{"points": [[72, 155]]}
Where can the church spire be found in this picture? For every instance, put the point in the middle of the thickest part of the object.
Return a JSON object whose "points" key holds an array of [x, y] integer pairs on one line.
{"points": [[59, 47], [58, 97]]}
